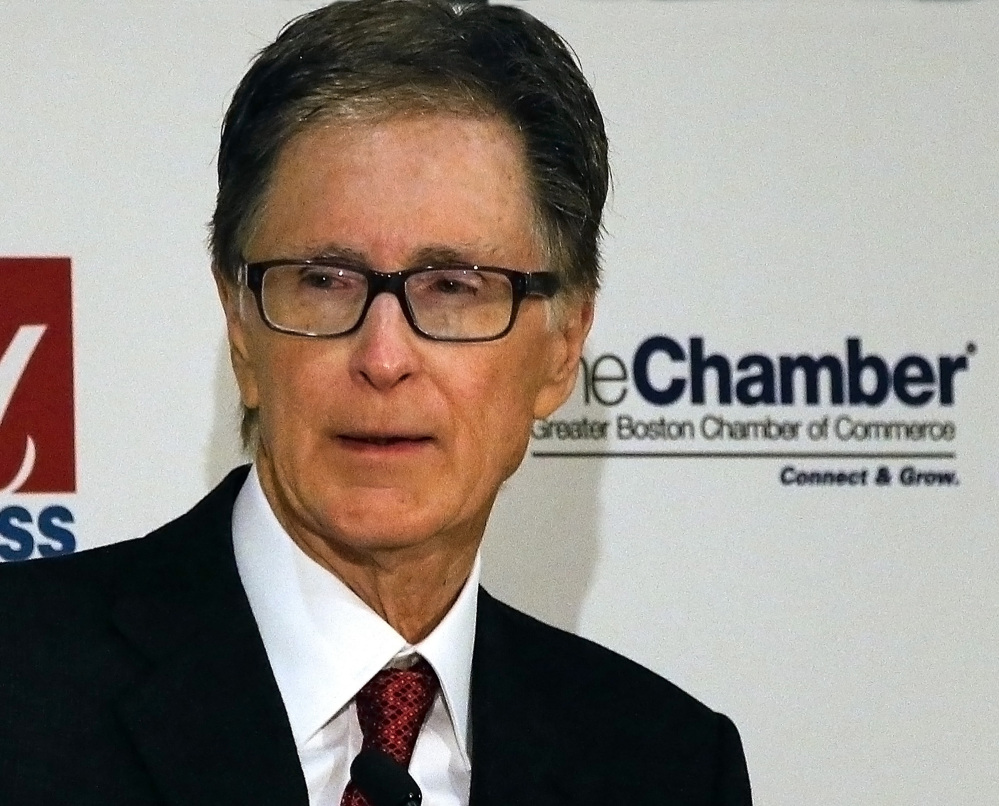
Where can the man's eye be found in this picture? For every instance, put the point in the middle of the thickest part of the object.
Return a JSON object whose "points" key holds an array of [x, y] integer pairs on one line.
{"points": [[457, 283], [454, 286], [325, 279], [315, 279]]}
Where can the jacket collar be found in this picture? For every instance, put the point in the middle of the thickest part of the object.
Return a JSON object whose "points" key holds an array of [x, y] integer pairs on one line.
{"points": [[518, 753], [207, 717]]}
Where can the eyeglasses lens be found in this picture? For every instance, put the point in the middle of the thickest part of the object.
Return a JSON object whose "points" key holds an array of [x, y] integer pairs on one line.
{"points": [[460, 303], [313, 300]]}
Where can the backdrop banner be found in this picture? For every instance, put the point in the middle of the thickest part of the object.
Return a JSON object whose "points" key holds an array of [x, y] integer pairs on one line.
{"points": [[775, 482]]}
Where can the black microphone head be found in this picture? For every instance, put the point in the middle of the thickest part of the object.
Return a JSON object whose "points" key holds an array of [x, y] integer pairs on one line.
{"points": [[383, 781]]}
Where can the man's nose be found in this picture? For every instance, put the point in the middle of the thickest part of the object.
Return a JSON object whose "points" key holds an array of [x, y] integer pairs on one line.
{"points": [[385, 353]]}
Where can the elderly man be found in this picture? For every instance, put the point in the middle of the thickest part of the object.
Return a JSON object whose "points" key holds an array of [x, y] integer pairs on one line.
{"points": [[405, 247]]}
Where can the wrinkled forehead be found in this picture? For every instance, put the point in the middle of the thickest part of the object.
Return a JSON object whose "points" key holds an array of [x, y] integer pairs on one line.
{"points": [[391, 191], [356, 140]]}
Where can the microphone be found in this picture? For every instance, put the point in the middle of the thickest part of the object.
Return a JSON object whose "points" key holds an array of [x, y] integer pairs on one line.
{"points": [[383, 781]]}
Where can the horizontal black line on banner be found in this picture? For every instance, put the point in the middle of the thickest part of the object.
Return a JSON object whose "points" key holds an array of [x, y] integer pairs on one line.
{"points": [[732, 455]]}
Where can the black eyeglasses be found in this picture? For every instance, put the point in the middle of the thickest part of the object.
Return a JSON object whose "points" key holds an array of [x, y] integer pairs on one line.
{"points": [[454, 302]]}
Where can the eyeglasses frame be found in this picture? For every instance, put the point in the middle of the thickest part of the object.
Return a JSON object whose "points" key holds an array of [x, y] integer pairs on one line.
{"points": [[524, 284]]}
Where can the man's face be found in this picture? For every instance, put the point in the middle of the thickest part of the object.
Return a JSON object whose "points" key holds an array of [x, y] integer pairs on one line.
{"points": [[383, 439]]}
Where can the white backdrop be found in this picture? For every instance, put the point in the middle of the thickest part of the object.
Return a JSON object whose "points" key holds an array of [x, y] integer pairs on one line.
{"points": [[788, 176]]}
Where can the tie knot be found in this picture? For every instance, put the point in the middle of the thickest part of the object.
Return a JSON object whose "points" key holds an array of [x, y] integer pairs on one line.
{"points": [[391, 708]]}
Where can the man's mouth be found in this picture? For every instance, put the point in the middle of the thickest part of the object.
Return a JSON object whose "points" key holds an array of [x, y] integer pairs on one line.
{"points": [[383, 440]]}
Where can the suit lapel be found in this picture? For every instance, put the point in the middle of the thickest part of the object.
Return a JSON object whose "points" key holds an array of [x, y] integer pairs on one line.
{"points": [[518, 756], [207, 719]]}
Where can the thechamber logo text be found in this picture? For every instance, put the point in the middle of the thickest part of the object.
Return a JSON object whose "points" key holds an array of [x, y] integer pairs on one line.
{"points": [[663, 371], [690, 399]]}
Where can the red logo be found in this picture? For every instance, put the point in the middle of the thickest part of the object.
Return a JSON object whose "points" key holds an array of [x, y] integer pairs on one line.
{"points": [[37, 427]]}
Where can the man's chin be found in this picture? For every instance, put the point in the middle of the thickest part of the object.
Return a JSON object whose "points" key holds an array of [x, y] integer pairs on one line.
{"points": [[380, 528]]}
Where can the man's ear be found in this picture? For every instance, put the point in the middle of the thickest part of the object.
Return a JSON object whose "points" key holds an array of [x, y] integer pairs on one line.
{"points": [[567, 348], [230, 295]]}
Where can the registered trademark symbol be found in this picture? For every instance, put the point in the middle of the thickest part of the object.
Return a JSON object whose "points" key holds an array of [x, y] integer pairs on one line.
{"points": [[972, 348]]}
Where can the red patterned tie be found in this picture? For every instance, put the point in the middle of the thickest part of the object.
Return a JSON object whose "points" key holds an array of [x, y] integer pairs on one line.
{"points": [[390, 709]]}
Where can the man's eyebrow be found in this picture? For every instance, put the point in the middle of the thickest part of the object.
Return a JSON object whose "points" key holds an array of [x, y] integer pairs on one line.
{"points": [[425, 256], [430, 255], [341, 254]]}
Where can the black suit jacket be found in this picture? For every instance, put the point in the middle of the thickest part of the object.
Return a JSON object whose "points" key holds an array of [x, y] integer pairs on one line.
{"points": [[135, 674]]}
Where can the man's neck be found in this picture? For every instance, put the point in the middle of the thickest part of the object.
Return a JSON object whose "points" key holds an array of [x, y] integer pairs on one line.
{"points": [[412, 593]]}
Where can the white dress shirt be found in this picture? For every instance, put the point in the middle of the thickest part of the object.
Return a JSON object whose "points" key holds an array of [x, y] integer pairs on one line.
{"points": [[324, 644]]}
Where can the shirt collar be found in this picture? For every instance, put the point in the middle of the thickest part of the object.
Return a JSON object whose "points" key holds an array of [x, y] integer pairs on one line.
{"points": [[322, 641]]}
